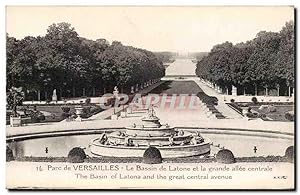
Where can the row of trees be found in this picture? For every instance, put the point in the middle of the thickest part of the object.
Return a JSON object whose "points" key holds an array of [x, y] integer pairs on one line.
{"points": [[254, 67], [64, 61], [166, 56]]}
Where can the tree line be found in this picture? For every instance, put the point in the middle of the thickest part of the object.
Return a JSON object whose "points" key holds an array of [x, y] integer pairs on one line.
{"points": [[261, 66], [166, 56], [76, 66]]}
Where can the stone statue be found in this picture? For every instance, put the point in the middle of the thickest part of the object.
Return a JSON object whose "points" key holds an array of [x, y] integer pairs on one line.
{"points": [[54, 96], [116, 92], [151, 112], [103, 138], [132, 89], [116, 89], [171, 140]]}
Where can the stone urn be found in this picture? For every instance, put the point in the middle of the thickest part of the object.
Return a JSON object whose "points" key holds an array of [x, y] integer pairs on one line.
{"points": [[123, 114], [79, 112], [129, 110], [15, 121]]}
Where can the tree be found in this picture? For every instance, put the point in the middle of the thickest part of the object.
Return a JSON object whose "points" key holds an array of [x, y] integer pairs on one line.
{"points": [[285, 61], [267, 60], [62, 60], [14, 98]]}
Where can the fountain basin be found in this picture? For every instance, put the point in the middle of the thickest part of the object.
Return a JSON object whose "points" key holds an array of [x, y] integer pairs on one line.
{"points": [[175, 151], [147, 140], [134, 140], [144, 132]]}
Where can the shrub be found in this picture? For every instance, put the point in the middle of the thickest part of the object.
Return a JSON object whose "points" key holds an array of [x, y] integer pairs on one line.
{"points": [[209, 100], [9, 154], [65, 109], [37, 116], [87, 101], [225, 156], [76, 155], [263, 116], [14, 98], [290, 115], [232, 100], [86, 112], [65, 115], [152, 156], [252, 115], [96, 109], [272, 108], [254, 100], [289, 153]]}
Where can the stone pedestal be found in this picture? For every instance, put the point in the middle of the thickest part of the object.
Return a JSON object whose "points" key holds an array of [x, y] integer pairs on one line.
{"points": [[245, 111], [15, 121], [234, 91], [123, 114], [116, 92], [54, 96], [114, 117], [129, 110], [219, 89], [212, 116], [79, 111]]}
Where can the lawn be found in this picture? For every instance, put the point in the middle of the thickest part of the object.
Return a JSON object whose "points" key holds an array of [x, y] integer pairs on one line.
{"points": [[177, 87], [54, 113], [279, 114]]}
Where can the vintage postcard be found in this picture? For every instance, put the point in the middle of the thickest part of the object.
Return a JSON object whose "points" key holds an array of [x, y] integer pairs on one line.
{"points": [[150, 97]]}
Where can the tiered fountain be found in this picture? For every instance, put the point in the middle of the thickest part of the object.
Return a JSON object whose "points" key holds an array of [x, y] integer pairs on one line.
{"points": [[134, 140]]}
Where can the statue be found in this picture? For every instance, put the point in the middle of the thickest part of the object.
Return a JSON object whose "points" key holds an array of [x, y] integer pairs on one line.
{"points": [[103, 138], [54, 96], [116, 89], [132, 89], [171, 140], [151, 112], [116, 92]]}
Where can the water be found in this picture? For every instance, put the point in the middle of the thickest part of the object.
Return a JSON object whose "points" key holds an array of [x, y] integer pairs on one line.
{"points": [[240, 145], [181, 67]]}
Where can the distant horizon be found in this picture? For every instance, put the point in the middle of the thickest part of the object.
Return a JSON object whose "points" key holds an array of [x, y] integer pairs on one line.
{"points": [[157, 29]]}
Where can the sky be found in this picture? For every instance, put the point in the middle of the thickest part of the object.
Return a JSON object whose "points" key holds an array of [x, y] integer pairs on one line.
{"points": [[179, 29]]}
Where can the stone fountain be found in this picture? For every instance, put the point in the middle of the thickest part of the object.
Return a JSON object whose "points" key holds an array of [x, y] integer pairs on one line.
{"points": [[135, 139]]}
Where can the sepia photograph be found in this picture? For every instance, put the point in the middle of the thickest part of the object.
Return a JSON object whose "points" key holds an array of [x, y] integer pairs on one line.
{"points": [[150, 97]]}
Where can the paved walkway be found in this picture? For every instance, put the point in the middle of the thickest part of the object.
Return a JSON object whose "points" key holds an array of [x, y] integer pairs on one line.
{"points": [[221, 107], [107, 113], [173, 120]]}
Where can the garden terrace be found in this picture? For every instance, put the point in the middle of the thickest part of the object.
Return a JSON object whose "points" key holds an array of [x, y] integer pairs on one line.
{"points": [[54, 112], [177, 87], [279, 114], [209, 100]]}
